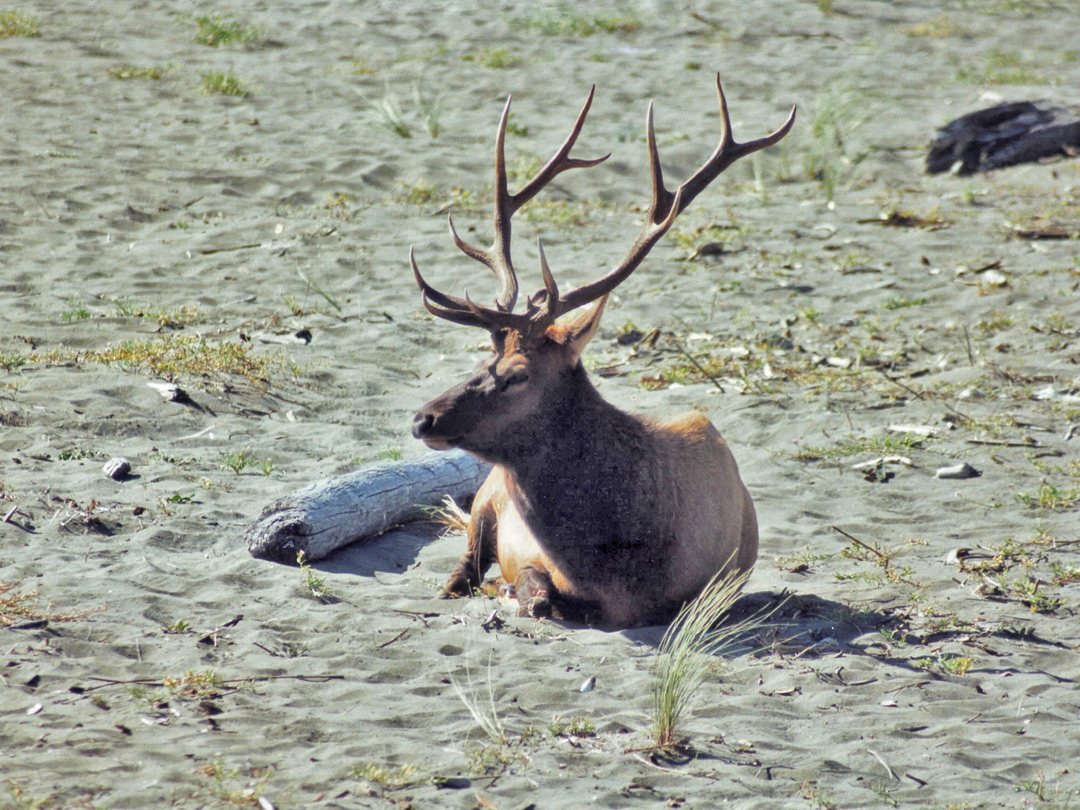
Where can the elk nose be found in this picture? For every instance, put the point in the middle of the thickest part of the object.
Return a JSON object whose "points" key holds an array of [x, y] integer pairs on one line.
{"points": [[423, 422]]}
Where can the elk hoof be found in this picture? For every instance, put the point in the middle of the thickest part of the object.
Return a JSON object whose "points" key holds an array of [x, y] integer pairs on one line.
{"points": [[539, 607], [457, 585]]}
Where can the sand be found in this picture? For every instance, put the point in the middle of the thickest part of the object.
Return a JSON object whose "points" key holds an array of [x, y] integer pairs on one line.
{"points": [[157, 664]]}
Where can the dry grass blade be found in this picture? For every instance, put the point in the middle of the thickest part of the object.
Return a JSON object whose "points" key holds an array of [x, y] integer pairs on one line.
{"points": [[488, 720], [687, 648], [450, 515]]}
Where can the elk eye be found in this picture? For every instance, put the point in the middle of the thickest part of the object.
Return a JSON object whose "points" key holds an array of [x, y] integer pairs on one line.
{"points": [[515, 378]]}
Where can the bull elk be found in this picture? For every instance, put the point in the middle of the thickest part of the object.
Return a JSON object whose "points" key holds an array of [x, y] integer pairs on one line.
{"points": [[591, 513]]}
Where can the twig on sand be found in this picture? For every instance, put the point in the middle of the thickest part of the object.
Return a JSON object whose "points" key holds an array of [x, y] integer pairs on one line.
{"points": [[212, 251]]}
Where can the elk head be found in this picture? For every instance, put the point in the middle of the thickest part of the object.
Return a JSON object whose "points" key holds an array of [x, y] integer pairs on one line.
{"points": [[507, 404]]}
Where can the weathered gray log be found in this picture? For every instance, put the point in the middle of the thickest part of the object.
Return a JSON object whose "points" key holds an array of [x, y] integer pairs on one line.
{"points": [[327, 515], [1004, 135]]}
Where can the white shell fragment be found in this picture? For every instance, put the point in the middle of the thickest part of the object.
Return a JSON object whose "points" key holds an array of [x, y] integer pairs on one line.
{"points": [[876, 462], [117, 468], [963, 470], [170, 392], [588, 685]]}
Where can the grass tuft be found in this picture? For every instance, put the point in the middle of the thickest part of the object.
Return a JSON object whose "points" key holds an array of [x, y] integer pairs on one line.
{"points": [[224, 84], [135, 72], [17, 24], [215, 31], [686, 652], [171, 356]]}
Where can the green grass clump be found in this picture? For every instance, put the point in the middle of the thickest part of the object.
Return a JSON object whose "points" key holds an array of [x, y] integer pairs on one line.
{"points": [[564, 23], [215, 31], [172, 356], [497, 58], [388, 776], [224, 84], [1002, 68], [135, 72], [687, 649], [17, 24]]}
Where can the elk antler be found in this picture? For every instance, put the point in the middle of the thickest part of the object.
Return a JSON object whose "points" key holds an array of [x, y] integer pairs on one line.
{"points": [[543, 308]]}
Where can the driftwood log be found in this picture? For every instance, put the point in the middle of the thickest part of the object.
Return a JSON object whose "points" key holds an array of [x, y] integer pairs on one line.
{"points": [[1004, 135], [327, 515]]}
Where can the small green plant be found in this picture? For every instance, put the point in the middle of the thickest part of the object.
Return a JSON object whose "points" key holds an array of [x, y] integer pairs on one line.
{"points": [[17, 24], [428, 110], [224, 84], [215, 31], [1047, 794], [390, 115], [1002, 68], [562, 22], [902, 303], [10, 362], [237, 461], [417, 193], [387, 776], [839, 114], [77, 311], [948, 664], [575, 727], [687, 649], [390, 454], [235, 787], [126, 72], [77, 454], [315, 584], [1050, 496], [498, 58], [178, 627], [170, 356], [175, 318]]}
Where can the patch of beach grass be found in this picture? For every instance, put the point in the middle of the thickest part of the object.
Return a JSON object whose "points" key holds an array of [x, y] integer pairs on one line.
{"points": [[389, 777], [17, 24], [18, 605], [1002, 68], [688, 649], [836, 116], [172, 317], [314, 585], [215, 31], [173, 356], [565, 21], [235, 787], [76, 311], [498, 57], [225, 84], [129, 72], [938, 28]]}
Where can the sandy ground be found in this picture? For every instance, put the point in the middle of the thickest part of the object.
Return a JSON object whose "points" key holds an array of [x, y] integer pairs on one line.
{"points": [[152, 232]]}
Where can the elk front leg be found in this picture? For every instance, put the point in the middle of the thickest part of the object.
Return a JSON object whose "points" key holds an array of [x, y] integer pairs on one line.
{"points": [[471, 568]]}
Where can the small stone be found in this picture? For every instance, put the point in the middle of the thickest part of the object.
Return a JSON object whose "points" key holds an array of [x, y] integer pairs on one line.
{"points": [[588, 685], [963, 470], [117, 468]]}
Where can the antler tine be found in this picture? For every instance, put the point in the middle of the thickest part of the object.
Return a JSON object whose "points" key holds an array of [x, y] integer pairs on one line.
{"points": [[497, 258], [729, 150], [666, 206], [559, 162]]}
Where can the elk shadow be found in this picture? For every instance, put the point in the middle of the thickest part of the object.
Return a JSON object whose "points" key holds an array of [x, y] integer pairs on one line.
{"points": [[393, 552], [800, 623]]}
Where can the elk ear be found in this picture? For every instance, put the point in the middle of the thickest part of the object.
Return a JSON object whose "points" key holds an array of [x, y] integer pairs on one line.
{"points": [[577, 334]]}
